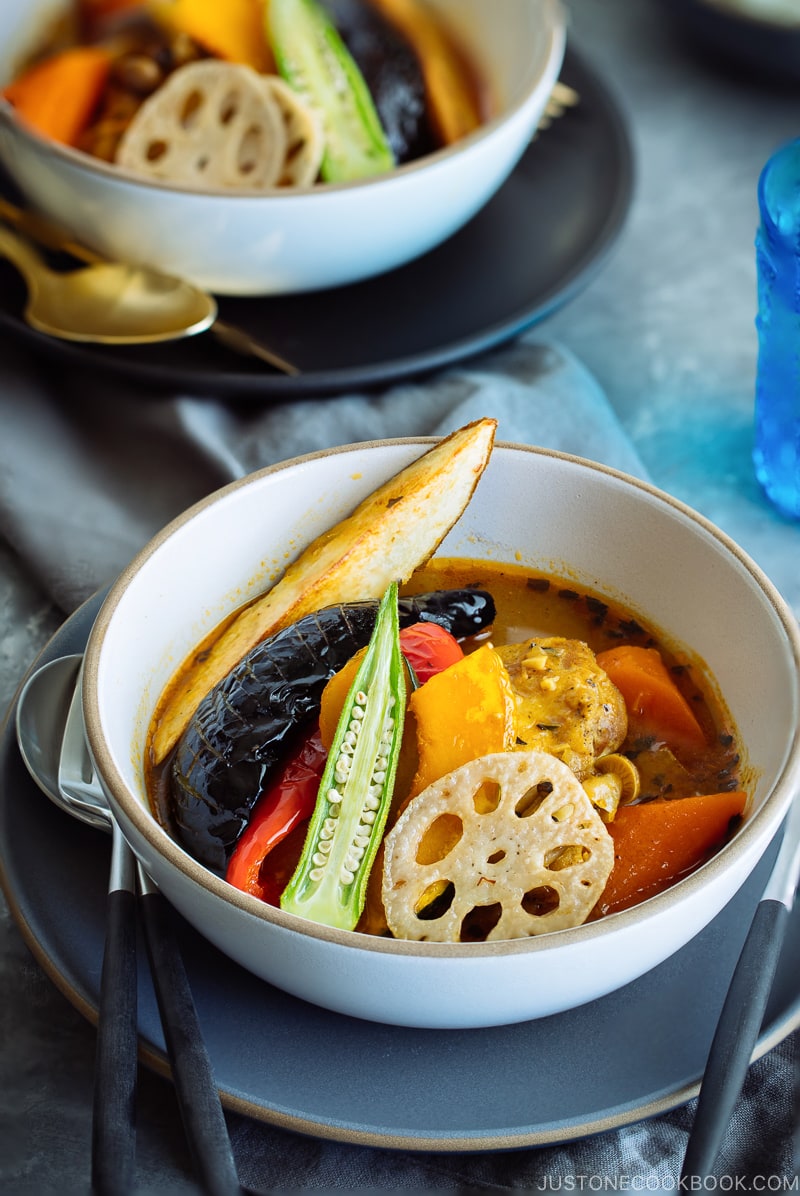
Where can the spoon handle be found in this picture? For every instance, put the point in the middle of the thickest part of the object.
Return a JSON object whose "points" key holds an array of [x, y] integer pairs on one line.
{"points": [[195, 1086], [113, 1117], [21, 253]]}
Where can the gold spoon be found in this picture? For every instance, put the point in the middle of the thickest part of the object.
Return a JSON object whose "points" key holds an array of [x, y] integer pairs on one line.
{"points": [[105, 302], [46, 233]]}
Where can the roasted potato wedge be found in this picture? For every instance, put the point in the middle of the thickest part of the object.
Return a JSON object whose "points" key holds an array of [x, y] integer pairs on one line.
{"points": [[389, 535]]}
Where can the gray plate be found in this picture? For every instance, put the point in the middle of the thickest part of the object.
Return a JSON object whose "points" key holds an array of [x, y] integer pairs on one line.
{"points": [[281, 1061]]}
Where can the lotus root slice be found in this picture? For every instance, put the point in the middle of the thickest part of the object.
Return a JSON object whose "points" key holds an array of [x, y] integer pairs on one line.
{"points": [[305, 140], [505, 847], [212, 124]]}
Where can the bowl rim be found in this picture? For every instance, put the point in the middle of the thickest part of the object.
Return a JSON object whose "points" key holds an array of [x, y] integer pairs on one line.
{"points": [[767, 819], [554, 20]]}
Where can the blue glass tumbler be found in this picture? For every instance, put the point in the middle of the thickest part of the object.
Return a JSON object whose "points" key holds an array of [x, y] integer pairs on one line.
{"points": [[776, 452]]}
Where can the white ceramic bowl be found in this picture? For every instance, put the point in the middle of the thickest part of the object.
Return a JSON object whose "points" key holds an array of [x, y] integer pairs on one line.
{"points": [[599, 528], [277, 243]]}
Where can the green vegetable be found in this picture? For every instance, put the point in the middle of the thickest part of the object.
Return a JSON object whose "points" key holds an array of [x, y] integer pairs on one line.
{"points": [[315, 62], [330, 881]]}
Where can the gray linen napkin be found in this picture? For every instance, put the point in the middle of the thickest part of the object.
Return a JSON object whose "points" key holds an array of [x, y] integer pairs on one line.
{"points": [[90, 469]]}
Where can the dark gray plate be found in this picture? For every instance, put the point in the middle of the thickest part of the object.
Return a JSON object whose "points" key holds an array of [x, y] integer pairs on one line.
{"points": [[281, 1060], [533, 246]]}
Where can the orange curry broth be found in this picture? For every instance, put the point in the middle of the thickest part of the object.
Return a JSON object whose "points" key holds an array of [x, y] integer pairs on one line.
{"points": [[527, 605]]}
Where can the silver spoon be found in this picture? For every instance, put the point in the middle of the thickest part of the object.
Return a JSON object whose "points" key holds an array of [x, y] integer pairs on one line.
{"points": [[45, 703]]}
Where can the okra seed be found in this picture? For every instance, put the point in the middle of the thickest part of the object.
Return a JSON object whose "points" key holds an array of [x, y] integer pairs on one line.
{"points": [[316, 873], [361, 698], [329, 825], [379, 777], [319, 859], [368, 816], [346, 876], [361, 841], [347, 749], [350, 738], [326, 846], [357, 713]]}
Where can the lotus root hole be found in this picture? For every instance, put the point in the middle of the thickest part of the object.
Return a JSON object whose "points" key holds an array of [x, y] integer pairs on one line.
{"points": [[228, 108], [486, 797], [541, 901], [191, 108], [566, 857], [249, 150], [156, 150], [532, 798], [435, 901], [439, 839], [478, 924]]}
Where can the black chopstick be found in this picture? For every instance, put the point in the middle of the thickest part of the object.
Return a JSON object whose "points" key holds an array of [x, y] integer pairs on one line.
{"points": [[743, 1010], [192, 1073]]}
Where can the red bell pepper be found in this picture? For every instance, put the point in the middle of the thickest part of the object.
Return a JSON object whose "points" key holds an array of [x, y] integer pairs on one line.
{"points": [[285, 803], [429, 649]]}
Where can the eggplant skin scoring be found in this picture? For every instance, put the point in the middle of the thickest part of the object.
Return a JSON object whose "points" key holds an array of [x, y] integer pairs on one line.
{"points": [[243, 728]]}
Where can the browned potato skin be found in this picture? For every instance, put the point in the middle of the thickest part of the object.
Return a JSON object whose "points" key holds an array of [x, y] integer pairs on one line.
{"points": [[565, 703]]}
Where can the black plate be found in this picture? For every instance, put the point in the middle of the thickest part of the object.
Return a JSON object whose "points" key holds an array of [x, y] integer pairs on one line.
{"points": [[526, 253], [281, 1060]]}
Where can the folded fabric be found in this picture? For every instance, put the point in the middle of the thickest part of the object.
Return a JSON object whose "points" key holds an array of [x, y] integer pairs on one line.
{"points": [[91, 468]]}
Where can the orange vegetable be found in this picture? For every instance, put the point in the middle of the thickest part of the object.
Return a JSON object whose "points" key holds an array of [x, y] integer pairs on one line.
{"points": [[229, 29], [427, 647], [465, 712], [654, 702], [58, 95], [658, 842], [453, 106]]}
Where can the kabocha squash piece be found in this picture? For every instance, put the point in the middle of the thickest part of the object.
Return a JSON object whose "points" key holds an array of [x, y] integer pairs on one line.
{"points": [[346, 829], [658, 842], [58, 95], [314, 60], [654, 702], [462, 713], [244, 727], [229, 29], [452, 103], [389, 535], [427, 647]]}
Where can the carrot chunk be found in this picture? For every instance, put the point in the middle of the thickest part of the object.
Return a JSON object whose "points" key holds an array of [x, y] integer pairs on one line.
{"points": [[658, 842], [58, 95], [654, 702]]}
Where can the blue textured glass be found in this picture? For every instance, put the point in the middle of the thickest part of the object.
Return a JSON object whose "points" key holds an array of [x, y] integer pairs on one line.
{"points": [[776, 453]]}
